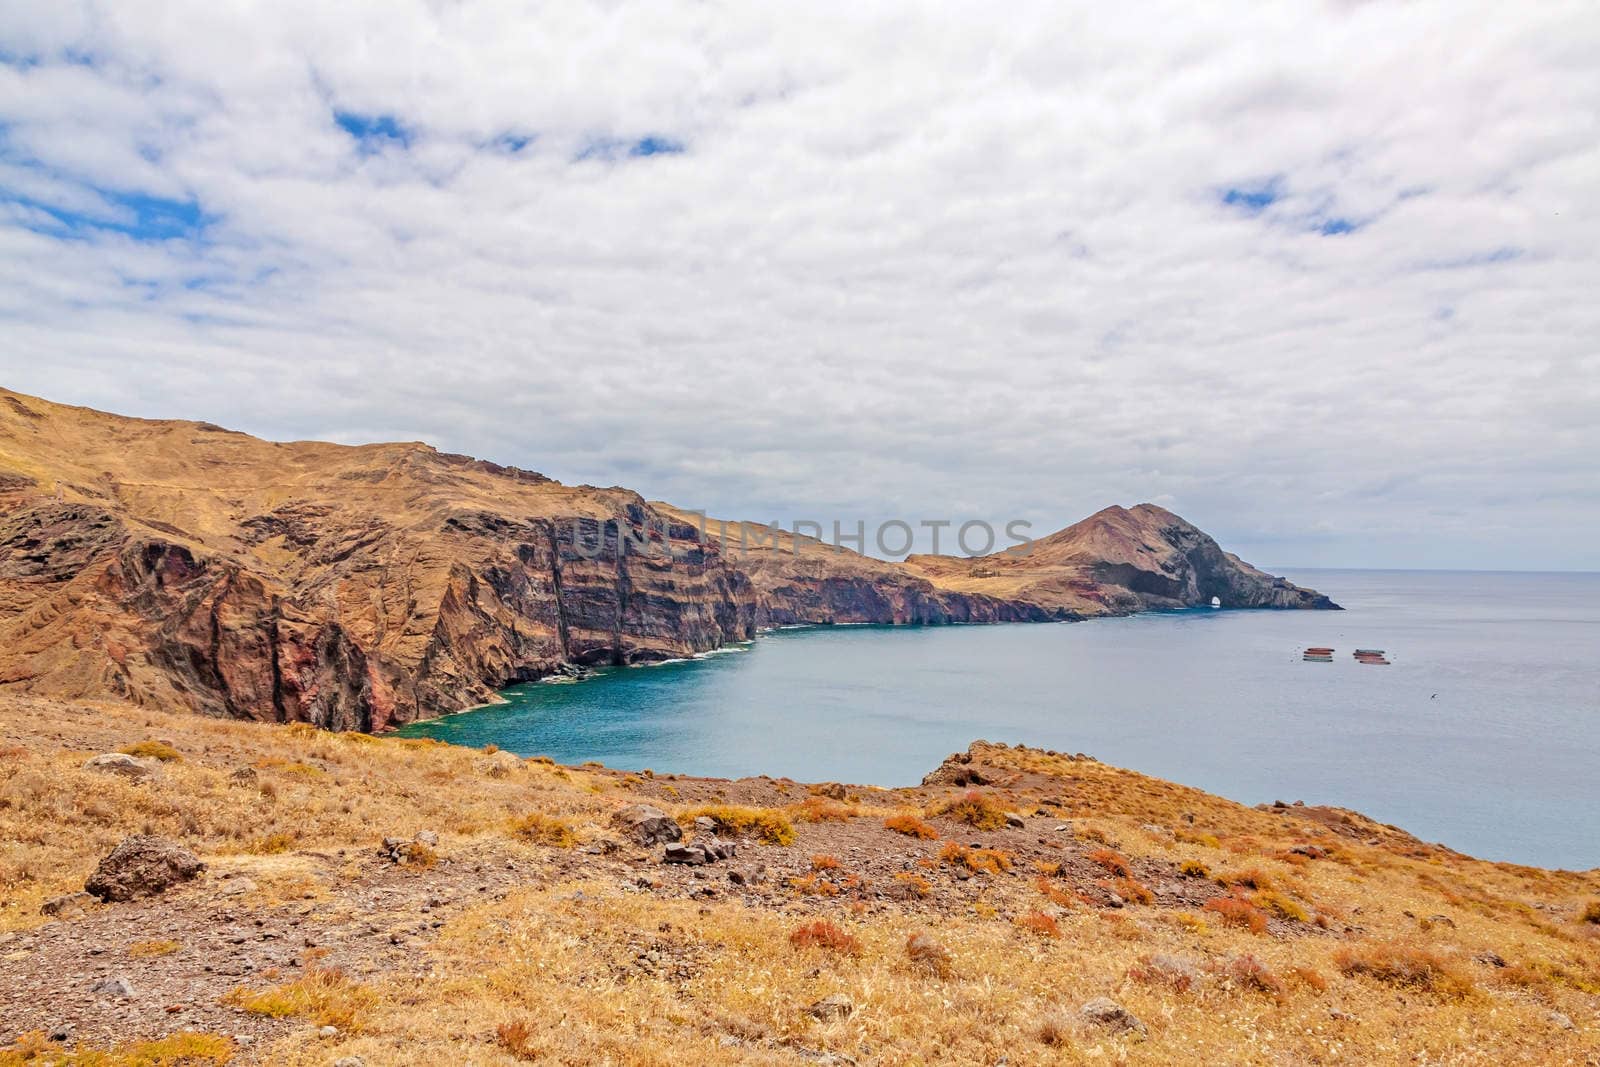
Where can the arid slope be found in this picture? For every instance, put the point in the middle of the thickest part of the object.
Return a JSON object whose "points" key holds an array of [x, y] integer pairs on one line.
{"points": [[177, 564], [1113, 918]]}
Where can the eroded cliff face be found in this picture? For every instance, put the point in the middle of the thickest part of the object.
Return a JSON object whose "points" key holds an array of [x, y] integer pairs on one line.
{"points": [[179, 564]]}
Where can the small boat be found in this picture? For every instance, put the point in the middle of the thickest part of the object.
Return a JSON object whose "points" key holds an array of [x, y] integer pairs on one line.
{"points": [[1320, 651], [1369, 652], [1311, 657]]}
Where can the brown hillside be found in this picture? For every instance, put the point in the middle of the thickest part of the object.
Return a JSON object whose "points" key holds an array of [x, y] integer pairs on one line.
{"points": [[182, 565]]}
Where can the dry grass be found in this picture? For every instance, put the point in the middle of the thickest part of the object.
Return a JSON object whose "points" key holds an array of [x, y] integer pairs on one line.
{"points": [[942, 972], [540, 829], [1404, 965], [183, 1049], [158, 750], [764, 824], [325, 996], [143, 950], [976, 860], [821, 809], [974, 808], [909, 824]]}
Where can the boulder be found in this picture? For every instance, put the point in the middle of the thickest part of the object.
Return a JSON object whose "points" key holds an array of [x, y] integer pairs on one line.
{"points": [[142, 866], [125, 765], [690, 854], [646, 825], [715, 849], [1109, 1015]]}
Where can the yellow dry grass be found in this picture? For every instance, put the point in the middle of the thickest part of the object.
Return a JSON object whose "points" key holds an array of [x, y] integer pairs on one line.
{"points": [[1389, 969]]}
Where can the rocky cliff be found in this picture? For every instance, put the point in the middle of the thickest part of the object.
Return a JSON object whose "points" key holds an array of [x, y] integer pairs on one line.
{"points": [[1117, 561], [178, 563]]}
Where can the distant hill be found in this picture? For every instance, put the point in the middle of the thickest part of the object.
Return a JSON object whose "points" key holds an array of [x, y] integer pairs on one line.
{"points": [[356, 587]]}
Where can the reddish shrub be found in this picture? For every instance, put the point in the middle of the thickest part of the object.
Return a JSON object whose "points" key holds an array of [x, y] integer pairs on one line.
{"points": [[1111, 861], [911, 826], [825, 935], [1247, 972], [1238, 912], [1039, 923]]}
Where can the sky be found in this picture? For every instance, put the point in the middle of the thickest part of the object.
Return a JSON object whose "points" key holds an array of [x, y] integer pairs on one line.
{"points": [[1319, 277]]}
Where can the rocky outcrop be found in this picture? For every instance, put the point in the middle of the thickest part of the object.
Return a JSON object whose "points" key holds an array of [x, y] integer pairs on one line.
{"points": [[354, 588], [1117, 561], [142, 866]]}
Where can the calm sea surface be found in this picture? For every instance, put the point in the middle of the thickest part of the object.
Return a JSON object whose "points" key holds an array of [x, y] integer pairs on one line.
{"points": [[1483, 734]]}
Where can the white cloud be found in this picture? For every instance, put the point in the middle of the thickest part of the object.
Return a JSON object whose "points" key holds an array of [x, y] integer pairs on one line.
{"points": [[940, 265]]}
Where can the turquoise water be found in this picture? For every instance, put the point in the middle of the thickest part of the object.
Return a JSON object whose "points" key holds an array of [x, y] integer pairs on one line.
{"points": [[1483, 734]]}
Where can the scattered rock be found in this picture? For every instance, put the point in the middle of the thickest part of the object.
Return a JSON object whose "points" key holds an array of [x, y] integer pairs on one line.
{"points": [[1015, 821], [143, 866], [832, 1008], [1309, 851], [123, 764], [1440, 920], [349, 1061], [67, 905], [328, 1031], [646, 825], [1107, 1013], [831, 790], [63, 1032], [736, 877], [427, 837], [113, 987], [1559, 1021], [707, 850], [705, 824], [677, 853], [1491, 959], [237, 886], [244, 776]]}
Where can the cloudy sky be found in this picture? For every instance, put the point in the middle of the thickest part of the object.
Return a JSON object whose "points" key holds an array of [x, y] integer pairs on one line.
{"points": [[1320, 277]]}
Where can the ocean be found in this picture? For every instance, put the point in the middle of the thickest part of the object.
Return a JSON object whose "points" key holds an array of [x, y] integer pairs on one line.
{"points": [[1483, 733]]}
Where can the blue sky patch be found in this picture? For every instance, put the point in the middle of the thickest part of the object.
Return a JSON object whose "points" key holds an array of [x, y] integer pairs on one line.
{"points": [[511, 143], [610, 149], [1333, 227], [373, 133], [137, 215], [1253, 198]]}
